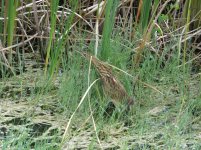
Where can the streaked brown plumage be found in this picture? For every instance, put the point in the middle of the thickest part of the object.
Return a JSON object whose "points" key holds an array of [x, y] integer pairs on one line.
{"points": [[111, 85]]}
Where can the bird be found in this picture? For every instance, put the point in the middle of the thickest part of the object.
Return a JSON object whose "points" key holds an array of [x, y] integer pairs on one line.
{"points": [[112, 87]]}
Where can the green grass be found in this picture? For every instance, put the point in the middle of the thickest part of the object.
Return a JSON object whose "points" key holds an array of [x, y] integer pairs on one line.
{"points": [[166, 113], [170, 128]]}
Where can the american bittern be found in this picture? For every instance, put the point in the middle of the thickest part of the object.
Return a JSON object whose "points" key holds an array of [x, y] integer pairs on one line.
{"points": [[111, 85]]}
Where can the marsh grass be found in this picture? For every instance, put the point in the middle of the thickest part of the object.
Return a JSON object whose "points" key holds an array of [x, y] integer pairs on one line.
{"points": [[168, 128], [167, 109]]}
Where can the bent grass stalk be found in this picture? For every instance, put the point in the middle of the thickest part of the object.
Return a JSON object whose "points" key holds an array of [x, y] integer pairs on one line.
{"points": [[70, 120]]}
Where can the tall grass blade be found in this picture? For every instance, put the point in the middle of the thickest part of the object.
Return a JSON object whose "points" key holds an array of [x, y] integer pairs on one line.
{"points": [[12, 5], [108, 26], [186, 32], [54, 7], [145, 14]]}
